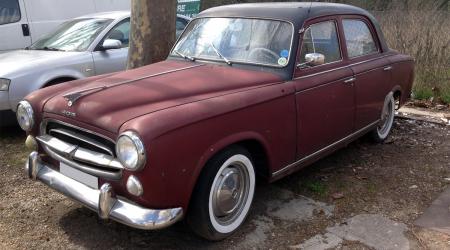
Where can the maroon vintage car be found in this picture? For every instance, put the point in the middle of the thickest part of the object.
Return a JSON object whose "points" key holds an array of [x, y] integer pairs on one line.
{"points": [[248, 90]]}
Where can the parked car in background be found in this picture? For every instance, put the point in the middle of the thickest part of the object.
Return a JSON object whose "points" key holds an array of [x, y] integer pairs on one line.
{"points": [[85, 46], [248, 90], [22, 22]]}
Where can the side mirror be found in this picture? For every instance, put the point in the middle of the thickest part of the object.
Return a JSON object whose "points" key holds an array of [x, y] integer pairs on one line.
{"points": [[314, 59], [111, 44]]}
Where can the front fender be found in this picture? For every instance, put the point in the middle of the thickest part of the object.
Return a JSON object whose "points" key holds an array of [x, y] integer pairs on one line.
{"points": [[180, 140]]}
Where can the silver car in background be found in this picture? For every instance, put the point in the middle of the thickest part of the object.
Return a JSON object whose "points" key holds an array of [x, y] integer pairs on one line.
{"points": [[82, 47]]}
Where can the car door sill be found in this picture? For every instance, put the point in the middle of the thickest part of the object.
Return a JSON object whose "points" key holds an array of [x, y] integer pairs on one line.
{"points": [[279, 173]]}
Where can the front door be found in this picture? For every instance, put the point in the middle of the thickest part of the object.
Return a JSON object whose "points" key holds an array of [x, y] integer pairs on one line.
{"points": [[325, 96], [114, 59], [14, 29]]}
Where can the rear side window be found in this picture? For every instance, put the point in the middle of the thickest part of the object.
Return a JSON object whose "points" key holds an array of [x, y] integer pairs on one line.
{"points": [[358, 38], [321, 38], [9, 11]]}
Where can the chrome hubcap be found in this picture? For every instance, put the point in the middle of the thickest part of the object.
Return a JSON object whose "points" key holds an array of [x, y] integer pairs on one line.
{"points": [[230, 193]]}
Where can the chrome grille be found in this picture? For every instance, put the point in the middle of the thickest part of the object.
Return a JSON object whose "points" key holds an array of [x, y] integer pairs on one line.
{"points": [[81, 149]]}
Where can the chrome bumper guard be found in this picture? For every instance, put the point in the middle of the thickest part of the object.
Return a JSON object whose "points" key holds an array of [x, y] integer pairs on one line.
{"points": [[102, 201]]}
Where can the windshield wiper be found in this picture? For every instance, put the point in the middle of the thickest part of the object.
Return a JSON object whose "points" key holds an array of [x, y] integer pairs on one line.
{"points": [[184, 56], [220, 54], [49, 49]]}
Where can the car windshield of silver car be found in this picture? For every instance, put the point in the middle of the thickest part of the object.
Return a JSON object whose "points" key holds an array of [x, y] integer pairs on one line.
{"points": [[74, 35]]}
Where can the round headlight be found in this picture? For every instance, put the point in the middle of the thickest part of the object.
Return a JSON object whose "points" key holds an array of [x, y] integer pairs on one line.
{"points": [[130, 151], [24, 115]]}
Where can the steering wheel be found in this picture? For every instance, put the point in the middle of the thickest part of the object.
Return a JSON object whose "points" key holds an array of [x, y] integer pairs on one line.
{"points": [[265, 53]]}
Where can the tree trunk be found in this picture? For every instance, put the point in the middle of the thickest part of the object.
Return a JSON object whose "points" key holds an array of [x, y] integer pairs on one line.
{"points": [[152, 31]]}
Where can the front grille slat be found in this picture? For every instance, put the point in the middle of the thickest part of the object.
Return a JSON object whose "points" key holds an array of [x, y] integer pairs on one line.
{"points": [[80, 137], [81, 149]]}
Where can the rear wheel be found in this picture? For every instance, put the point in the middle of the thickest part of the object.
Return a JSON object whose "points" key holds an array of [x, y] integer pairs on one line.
{"points": [[386, 121], [223, 195]]}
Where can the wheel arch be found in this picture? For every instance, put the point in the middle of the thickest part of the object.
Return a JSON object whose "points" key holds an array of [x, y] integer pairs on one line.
{"points": [[397, 92], [251, 141], [59, 79]]}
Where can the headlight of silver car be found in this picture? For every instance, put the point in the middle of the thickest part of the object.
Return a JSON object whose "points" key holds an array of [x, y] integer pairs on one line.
{"points": [[130, 151], [25, 115], [4, 84]]}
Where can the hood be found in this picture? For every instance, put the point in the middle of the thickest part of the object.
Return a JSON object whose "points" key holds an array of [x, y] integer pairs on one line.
{"points": [[121, 97], [20, 60]]}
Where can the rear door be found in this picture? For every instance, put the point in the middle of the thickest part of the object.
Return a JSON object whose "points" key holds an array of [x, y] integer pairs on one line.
{"points": [[14, 27], [370, 67], [325, 93]]}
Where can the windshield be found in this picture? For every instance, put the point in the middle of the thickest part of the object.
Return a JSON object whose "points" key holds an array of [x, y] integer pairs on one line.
{"points": [[251, 41], [75, 35]]}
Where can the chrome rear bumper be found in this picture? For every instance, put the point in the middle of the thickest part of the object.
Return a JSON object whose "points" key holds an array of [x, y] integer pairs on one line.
{"points": [[102, 201]]}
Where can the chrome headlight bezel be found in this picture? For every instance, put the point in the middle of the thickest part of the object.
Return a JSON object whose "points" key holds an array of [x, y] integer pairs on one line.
{"points": [[25, 108], [4, 84], [133, 159]]}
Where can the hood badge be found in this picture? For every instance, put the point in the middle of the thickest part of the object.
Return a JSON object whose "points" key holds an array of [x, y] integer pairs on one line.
{"points": [[69, 114]]}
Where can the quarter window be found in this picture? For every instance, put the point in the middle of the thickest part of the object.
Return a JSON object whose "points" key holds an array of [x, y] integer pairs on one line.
{"points": [[321, 38], [358, 38], [9, 11]]}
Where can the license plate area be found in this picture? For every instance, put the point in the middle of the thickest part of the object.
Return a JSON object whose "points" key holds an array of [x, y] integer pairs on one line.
{"points": [[75, 174]]}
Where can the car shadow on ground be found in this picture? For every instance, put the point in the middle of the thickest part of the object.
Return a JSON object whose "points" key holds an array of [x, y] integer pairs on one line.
{"points": [[84, 228]]}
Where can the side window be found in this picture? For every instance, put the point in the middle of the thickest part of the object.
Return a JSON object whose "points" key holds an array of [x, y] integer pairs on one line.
{"points": [[358, 38], [121, 32], [9, 11], [321, 38]]}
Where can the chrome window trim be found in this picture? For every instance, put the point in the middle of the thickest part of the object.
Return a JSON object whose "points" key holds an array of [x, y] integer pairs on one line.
{"points": [[310, 156], [239, 62]]}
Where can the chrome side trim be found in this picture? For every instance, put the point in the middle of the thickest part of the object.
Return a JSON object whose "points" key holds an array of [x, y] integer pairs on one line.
{"points": [[103, 201], [81, 138], [343, 67], [66, 153], [306, 158]]}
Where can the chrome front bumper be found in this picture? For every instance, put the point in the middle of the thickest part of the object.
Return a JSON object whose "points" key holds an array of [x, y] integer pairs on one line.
{"points": [[102, 201]]}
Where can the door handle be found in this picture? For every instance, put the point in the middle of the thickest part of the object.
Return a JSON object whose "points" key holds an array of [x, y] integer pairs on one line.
{"points": [[388, 68], [25, 29], [350, 81]]}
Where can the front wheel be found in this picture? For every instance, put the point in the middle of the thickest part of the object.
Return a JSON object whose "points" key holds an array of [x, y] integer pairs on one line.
{"points": [[223, 195], [387, 119]]}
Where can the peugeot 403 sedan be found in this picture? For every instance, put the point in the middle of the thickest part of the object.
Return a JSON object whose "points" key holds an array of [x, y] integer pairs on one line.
{"points": [[249, 90]]}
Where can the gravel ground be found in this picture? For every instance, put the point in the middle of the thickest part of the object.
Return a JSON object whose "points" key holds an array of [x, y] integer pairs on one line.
{"points": [[398, 180]]}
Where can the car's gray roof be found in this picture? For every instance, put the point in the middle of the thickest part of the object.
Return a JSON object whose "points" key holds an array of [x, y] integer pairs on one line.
{"points": [[116, 15], [109, 15]]}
